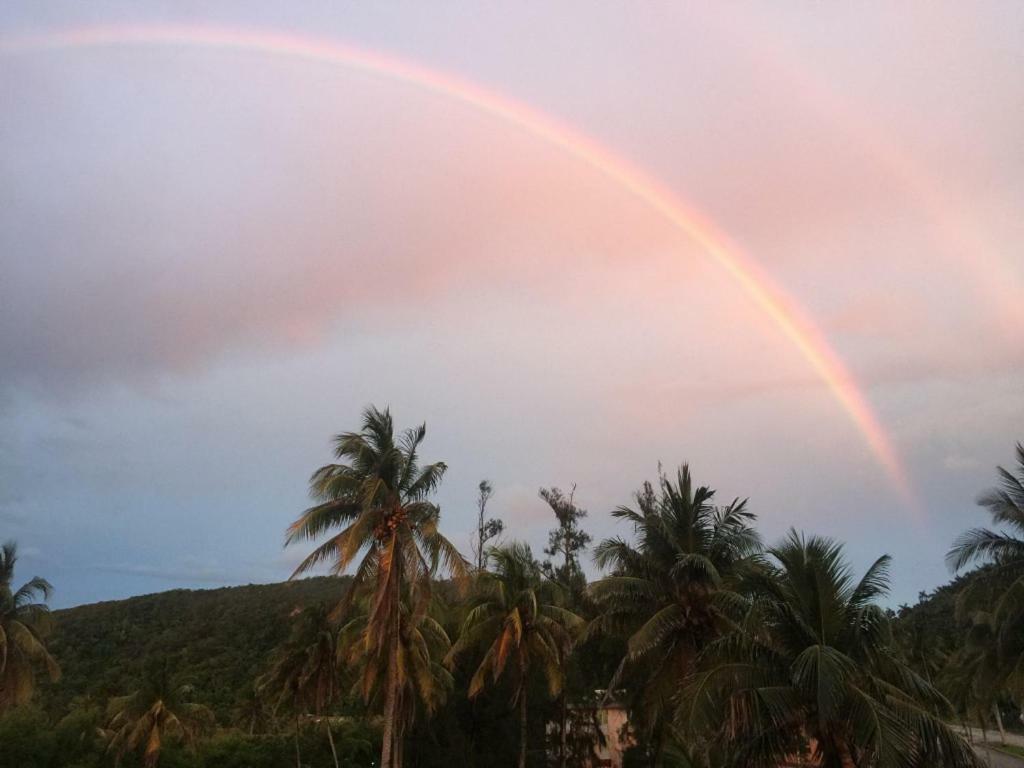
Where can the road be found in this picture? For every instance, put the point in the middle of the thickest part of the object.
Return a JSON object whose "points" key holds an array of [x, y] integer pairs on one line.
{"points": [[997, 759], [993, 736], [993, 757]]}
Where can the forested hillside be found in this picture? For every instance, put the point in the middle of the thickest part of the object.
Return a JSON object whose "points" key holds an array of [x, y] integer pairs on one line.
{"points": [[218, 640]]}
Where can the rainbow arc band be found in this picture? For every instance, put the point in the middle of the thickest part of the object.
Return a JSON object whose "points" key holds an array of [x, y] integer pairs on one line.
{"points": [[788, 318]]}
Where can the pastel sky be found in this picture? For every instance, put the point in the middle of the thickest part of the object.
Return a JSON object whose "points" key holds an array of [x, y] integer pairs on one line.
{"points": [[212, 259]]}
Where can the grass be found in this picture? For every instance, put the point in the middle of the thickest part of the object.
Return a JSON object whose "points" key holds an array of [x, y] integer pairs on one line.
{"points": [[1006, 749], [1010, 749]]}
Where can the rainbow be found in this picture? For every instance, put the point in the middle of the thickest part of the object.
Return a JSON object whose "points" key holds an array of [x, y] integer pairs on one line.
{"points": [[953, 230], [787, 317]]}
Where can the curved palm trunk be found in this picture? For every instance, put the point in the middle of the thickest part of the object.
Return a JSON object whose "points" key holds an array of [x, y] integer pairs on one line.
{"points": [[330, 740], [522, 727], [999, 722]]}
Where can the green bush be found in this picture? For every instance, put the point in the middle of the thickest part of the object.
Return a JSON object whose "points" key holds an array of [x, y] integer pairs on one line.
{"points": [[26, 739]]}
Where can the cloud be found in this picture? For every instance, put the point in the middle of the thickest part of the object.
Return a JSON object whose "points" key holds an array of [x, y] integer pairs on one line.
{"points": [[186, 237]]}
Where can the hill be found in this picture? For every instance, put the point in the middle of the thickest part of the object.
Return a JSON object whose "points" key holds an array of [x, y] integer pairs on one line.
{"points": [[218, 639]]}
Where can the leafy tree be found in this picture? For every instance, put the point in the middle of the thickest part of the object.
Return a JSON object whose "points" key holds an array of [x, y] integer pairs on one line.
{"points": [[78, 735], [24, 626], [924, 645], [26, 739], [487, 529], [568, 540], [812, 670], [160, 710], [667, 589], [379, 497], [515, 615]]}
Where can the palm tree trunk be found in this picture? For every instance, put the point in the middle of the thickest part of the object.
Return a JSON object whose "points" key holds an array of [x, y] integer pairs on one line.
{"points": [[330, 740], [298, 754], [999, 723], [522, 727], [399, 746], [389, 720], [968, 730], [563, 736], [388, 756]]}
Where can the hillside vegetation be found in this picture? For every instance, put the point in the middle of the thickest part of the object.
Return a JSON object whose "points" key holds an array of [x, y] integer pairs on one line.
{"points": [[218, 640]]}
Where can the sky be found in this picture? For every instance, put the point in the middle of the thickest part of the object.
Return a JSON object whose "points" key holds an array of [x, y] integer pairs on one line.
{"points": [[213, 256]]}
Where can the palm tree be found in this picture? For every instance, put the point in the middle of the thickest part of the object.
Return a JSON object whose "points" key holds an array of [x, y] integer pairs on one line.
{"points": [[160, 710], [378, 495], [667, 590], [1003, 554], [422, 680], [981, 655], [812, 671], [305, 671], [251, 712], [1005, 505], [24, 625], [516, 616]]}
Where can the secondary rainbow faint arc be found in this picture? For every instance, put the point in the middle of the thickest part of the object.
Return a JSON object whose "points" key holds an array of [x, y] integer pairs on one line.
{"points": [[787, 316]]}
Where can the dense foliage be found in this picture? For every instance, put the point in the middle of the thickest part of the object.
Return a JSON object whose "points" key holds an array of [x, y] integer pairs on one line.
{"points": [[217, 640], [723, 652]]}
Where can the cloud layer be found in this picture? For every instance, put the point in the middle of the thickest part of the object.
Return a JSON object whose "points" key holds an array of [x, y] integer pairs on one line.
{"points": [[209, 261]]}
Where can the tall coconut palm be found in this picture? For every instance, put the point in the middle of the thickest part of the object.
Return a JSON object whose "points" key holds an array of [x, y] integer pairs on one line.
{"points": [[813, 670], [159, 711], [516, 616], [423, 681], [24, 625], [305, 670], [668, 589], [1002, 551], [378, 496]]}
